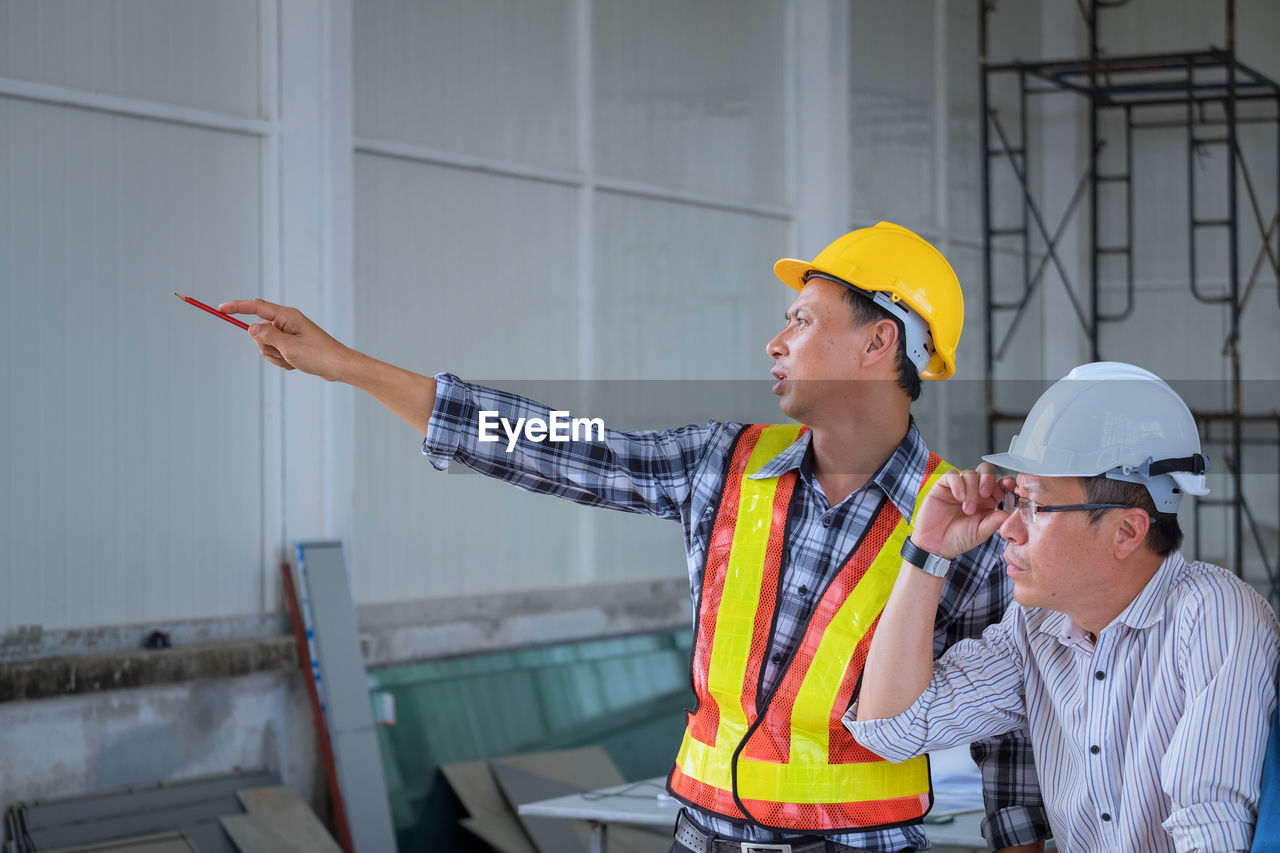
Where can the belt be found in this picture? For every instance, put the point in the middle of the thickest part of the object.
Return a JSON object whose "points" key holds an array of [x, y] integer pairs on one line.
{"points": [[689, 835]]}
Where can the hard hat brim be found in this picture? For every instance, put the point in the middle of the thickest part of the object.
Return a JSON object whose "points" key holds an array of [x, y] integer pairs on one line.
{"points": [[792, 272], [1020, 464]]}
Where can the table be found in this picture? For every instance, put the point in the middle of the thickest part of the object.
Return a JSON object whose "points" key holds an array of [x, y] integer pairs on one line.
{"points": [[646, 803]]}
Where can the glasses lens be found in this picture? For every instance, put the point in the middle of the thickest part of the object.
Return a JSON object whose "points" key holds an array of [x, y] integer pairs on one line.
{"points": [[1025, 507]]}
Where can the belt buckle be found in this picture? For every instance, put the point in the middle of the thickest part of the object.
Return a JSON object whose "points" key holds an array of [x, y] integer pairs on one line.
{"points": [[752, 847]]}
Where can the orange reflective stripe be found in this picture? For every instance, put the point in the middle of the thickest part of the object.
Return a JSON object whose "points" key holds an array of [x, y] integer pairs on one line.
{"points": [[864, 815]]}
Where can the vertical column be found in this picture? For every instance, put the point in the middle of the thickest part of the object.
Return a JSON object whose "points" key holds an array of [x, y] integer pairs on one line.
{"points": [[585, 98], [1062, 151], [313, 423], [821, 132], [940, 439]]}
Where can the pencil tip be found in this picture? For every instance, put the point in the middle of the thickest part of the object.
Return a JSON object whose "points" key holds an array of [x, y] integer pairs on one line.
{"points": [[180, 296]]}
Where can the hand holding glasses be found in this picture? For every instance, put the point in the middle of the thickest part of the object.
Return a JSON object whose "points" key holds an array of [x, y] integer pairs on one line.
{"points": [[965, 507]]}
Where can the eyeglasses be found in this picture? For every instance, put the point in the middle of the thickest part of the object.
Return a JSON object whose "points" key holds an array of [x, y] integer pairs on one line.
{"points": [[1027, 508]]}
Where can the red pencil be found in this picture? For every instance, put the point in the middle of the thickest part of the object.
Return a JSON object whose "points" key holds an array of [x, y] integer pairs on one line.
{"points": [[214, 311]]}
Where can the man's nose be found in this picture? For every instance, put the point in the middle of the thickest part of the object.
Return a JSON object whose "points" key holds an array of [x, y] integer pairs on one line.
{"points": [[1013, 529], [774, 348]]}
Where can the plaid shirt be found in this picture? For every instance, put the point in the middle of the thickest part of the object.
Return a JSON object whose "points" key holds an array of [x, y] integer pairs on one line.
{"points": [[679, 474]]}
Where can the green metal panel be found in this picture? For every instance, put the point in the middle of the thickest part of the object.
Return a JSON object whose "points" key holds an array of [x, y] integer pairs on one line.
{"points": [[626, 694]]}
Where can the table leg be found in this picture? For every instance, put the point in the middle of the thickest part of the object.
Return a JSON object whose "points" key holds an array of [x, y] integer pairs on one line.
{"points": [[599, 836]]}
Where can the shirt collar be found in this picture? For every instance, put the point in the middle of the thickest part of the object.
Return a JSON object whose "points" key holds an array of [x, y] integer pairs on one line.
{"points": [[1147, 607], [1063, 627], [789, 459], [899, 478]]}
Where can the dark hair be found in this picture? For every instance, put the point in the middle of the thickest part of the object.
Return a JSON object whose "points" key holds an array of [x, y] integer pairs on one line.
{"points": [[1165, 534], [866, 311]]}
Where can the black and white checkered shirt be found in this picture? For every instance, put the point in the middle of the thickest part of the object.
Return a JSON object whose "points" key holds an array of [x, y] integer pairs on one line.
{"points": [[678, 474]]}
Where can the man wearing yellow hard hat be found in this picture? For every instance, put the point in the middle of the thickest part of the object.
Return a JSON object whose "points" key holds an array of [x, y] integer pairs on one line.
{"points": [[792, 537]]}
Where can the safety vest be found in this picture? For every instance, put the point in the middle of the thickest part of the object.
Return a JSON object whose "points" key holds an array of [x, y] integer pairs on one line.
{"points": [[785, 760]]}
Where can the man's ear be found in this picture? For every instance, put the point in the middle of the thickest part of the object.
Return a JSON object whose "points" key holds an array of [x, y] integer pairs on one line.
{"points": [[1131, 529], [882, 341]]}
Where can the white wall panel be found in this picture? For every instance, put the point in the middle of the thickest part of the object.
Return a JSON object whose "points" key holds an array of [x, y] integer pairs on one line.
{"points": [[483, 77], [963, 184], [131, 437], [685, 292], [474, 274], [188, 52], [685, 302], [690, 95], [892, 113]]}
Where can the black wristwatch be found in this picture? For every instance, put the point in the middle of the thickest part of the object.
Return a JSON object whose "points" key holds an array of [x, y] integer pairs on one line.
{"points": [[930, 564]]}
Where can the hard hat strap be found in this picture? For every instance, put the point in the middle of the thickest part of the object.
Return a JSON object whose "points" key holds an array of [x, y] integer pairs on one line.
{"points": [[1196, 463]]}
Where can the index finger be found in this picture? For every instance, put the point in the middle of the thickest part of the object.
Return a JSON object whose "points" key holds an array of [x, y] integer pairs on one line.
{"points": [[258, 307], [988, 477]]}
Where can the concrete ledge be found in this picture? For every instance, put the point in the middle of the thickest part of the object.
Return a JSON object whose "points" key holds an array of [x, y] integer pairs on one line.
{"points": [[420, 630], [35, 664], [78, 674], [30, 642]]}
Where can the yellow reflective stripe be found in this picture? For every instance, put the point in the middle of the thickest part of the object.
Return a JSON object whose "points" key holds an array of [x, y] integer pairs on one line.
{"points": [[799, 783], [735, 620], [834, 783]]}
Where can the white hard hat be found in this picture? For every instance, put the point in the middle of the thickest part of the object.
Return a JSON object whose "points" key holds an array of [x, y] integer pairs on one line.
{"points": [[1115, 419]]}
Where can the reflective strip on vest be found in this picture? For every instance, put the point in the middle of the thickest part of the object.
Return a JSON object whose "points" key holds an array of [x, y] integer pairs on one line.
{"points": [[797, 767]]}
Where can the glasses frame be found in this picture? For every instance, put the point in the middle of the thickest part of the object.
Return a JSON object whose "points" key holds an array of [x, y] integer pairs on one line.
{"points": [[1013, 502]]}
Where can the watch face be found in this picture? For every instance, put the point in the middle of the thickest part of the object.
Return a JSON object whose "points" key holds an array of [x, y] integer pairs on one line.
{"points": [[924, 561], [936, 566]]}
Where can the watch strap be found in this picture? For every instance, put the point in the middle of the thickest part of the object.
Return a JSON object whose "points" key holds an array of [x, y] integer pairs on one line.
{"points": [[930, 564]]}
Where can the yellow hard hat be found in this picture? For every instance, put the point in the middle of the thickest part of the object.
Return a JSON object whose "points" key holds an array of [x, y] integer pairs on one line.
{"points": [[891, 260]]}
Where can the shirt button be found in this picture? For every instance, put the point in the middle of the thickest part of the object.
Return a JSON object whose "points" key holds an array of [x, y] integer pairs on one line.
{"points": [[1095, 749], [1099, 675], [826, 522], [777, 658], [804, 590], [1106, 816]]}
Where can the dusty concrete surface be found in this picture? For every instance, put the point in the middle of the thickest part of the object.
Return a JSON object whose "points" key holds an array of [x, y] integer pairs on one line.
{"points": [[110, 657], [100, 741], [29, 642], [77, 674]]}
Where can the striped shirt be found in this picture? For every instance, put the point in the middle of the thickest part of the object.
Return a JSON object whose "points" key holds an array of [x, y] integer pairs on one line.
{"points": [[1150, 738], [679, 475]]}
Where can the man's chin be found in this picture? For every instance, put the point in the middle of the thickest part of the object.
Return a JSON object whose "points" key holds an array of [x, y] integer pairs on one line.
{"points": [[1023, 595], [787, 405]]}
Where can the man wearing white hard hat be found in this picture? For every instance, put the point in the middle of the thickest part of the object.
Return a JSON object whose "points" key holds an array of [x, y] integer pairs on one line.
{"points": [[1147, 681]]}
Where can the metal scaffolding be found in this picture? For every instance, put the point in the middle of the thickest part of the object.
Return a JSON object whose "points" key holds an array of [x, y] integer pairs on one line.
{"points": [[1209, 92]]}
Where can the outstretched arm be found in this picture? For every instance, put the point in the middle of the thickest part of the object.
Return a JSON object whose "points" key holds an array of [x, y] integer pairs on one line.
{"points": [[959, 513], [289, 339]]}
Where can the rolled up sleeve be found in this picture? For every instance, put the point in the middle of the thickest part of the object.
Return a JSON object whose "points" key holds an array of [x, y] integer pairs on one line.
{"points": [[1229, 651], [976, 692]]}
